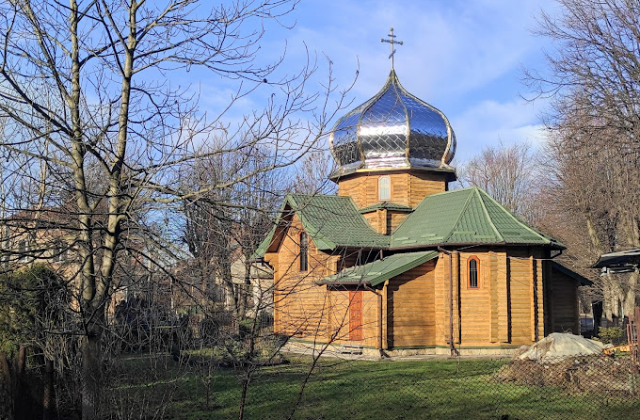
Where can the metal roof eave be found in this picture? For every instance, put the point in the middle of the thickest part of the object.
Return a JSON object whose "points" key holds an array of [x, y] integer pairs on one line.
{"points": [[362, 272], [619, 258]]}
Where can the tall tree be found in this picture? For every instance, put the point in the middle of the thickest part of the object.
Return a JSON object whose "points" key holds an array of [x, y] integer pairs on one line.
{"points": [[224, 226], [507, 173], [594, 80], [99, 124]]}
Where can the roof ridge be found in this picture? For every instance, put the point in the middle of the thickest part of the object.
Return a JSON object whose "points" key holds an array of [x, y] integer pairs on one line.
{"points": [[317, 231], [317, 195], [424, 200], [520, 222], [313, 231], [486, 212], [464, 208]]}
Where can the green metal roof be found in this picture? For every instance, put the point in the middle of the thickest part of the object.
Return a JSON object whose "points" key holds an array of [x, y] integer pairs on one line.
{"points": [[331, 221], [264, 245], [334, 221], [386, 205], [382, 270], [466, 216]]}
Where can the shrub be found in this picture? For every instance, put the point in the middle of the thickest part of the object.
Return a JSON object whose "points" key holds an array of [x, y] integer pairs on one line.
{"points": [[611, 335]]}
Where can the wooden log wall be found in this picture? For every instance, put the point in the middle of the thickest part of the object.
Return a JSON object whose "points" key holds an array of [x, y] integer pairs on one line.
{"points": [[564, 303], [395, 219], [340, 316], [521, 299], [475, 303], [408, 188], [300, 304], [507, 308], [411, 308]]}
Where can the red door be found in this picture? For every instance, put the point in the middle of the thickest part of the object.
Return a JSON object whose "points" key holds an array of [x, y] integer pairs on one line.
{"points": [[355, 315]]}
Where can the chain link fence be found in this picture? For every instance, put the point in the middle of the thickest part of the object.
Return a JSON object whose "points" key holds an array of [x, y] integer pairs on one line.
{"points": [[202, 387], [172, 375]]}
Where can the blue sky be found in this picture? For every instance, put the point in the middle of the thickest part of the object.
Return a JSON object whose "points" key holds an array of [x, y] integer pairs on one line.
{"points": [[463, 57]]}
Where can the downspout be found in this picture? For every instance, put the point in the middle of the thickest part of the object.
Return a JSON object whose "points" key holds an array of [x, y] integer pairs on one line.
{"points": [[452, 347], [380, 349]]}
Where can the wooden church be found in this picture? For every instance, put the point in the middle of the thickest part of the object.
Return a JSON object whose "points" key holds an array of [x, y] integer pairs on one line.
{"points": [[396, 263]]}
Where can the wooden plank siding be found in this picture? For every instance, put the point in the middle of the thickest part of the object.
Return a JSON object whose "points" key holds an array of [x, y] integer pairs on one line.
{"points": [[372, 219], [512, 304], [341, 299], [408, 188], [395, 219], [300, 304], [422, 184], [411, 308], [475, 304], [521, 292], [564, 302]]}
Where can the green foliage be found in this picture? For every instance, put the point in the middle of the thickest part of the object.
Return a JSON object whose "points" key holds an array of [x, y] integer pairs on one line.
{"points": [[610, 335], [32, 301]]}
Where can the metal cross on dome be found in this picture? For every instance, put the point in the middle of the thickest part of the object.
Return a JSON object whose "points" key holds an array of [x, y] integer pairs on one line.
{"points": [[392, 41]]}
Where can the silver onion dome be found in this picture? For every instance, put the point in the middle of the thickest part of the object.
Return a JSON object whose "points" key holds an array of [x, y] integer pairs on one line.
{"points": [[392, 130]]}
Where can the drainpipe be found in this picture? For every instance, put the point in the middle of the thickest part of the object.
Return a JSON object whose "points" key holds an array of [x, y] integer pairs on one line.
{"points": [[452, 347]]}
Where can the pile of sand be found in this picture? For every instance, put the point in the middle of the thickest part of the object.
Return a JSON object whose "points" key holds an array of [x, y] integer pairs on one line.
{"points": [[558, 346], [572, 363]]}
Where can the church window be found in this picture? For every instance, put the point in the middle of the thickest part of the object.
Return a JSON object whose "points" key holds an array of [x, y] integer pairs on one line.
{"points": [[384, 188], [304, 250], [474, 266]]}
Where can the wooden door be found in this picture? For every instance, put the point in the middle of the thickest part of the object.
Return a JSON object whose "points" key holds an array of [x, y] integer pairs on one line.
{"points": [[355, 315]]}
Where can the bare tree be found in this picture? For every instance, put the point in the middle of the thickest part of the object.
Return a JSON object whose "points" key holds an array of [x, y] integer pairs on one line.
{"points": [[312, 175], [507, 173], [223, 227], [595, 84], [587, 194], [99, 127]]}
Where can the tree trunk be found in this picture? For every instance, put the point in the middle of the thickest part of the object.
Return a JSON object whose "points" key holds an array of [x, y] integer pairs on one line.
{"points": [[22, 360], [7, 399], [90, 349], [630, 297], [613, 296], [22, 408], [47, 396]]}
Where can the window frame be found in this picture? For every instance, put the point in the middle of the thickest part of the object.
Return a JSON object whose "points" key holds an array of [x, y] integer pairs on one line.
{"points": [[388, 188], [477, 261], [304, 251]]}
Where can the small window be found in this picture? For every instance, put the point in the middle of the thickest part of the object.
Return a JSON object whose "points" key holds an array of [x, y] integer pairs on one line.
{"points": [[304, 248], [474, 266], [384, 188]]}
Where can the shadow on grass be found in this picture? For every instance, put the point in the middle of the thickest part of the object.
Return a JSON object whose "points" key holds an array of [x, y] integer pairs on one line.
{"points": [[372, 390]]}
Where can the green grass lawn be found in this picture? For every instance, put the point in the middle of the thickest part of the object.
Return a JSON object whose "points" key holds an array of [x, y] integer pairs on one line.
{"points": [[356, 390]]}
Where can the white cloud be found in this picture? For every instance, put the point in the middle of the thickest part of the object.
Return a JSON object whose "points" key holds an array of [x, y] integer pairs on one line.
{"points": [[490, 122], [462, 56]]}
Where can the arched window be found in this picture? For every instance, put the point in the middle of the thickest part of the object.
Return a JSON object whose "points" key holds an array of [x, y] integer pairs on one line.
{"points": [[384, 188], [474, 269], [304, 249]]}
